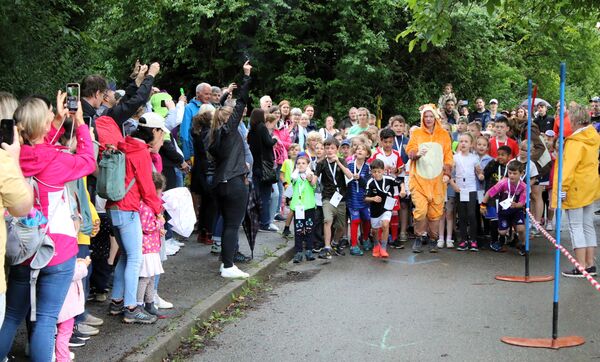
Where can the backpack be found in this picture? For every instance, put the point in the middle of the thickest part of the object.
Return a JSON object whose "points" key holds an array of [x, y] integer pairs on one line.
{"points": [[110, 183], [27, 240]]}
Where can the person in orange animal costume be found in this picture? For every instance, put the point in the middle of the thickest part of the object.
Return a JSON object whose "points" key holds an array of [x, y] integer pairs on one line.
{"points": [[430, 153]]}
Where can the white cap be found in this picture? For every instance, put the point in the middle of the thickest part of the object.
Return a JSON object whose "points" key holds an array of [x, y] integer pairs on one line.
{"points": [[493, 100], [550, 133], [152, 120]]}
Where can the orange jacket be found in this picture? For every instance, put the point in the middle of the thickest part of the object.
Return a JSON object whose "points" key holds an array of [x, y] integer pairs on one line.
{"points": [[426, 172]]}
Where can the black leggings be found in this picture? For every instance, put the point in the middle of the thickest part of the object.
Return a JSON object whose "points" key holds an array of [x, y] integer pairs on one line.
{"points": [[467, 217], [232, 199], [304, 230]]}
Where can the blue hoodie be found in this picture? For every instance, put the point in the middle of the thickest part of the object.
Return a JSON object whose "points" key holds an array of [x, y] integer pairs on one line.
{"points": [[185, 129]]}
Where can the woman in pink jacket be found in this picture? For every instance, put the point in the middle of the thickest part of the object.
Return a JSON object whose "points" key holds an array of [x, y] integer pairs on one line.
{"points": [[282, 134], [51, 167]]}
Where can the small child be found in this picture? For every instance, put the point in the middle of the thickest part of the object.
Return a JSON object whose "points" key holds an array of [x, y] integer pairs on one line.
{"points": [[345, 150], [358, 210], [447, 94], [394, 167], [467, 172], [380, 195], [303, 205], [285, 175], [73, 306], [511, 212], [461, 127], [474, 129], [152, 229]]}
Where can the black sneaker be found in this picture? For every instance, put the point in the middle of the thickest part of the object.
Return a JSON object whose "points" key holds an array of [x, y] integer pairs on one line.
{"points": [[325, 253], [75, 342], [591, 271], [318, 248], [241, 258], [138, 315], [286, 233], [432, 246], [116, 308], [396, 244], [79, 335], [418, 244], [309, 255], [337, 249], [344, 243], [522, 250], [298, 257], [574, 273]]}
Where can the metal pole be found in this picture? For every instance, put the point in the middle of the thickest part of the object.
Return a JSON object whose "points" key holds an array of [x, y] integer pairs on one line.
{"points": [[527, 178], [563, 76]]}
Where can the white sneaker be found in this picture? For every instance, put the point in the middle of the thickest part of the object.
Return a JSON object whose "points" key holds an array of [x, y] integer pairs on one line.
{"points": [[273, 227], [171, 249], [72, 356], [440, 244], [161, 303], [450, 244], [234, 273], [221, 268], [549, 226]]}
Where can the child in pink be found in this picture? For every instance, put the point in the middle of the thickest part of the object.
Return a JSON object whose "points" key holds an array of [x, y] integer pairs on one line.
{"points": [[73, 306], [153, 230]]}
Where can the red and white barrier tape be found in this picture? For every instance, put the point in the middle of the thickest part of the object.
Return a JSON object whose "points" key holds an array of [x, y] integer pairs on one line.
{"points": [[587, 275]]}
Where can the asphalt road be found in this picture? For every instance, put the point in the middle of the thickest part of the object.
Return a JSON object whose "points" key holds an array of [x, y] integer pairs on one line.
{"points": [[444, 306], [190, 277]]}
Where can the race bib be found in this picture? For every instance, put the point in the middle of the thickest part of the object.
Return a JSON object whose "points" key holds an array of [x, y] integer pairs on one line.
{"points": [[299, 212], [506, 204], [336, 199], [390, 202]]}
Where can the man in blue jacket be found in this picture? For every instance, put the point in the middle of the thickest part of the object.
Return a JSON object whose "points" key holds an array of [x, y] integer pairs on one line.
{"points": [[203, 96]]}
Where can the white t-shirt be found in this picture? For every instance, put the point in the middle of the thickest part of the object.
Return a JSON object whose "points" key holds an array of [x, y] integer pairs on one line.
{"points": [[533, 171], [466, 178]]}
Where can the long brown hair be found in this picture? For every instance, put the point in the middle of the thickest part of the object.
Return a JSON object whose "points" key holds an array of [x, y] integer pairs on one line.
{"points": [[219, 118]]}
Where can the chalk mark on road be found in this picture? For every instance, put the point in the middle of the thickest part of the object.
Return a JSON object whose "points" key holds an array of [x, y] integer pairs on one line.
{"points": [[412, 260], [383, 344]]}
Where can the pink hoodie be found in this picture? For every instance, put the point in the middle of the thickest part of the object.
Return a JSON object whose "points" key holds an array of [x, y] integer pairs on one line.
{"points": [[282, 145], [74, 303], [52, 167]]}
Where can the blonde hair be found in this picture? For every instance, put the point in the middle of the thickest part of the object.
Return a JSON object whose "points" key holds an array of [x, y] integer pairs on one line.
{"points": [[219, 118], [30, 117], [365, 147], [314, 136], [8, 105], [363, 109]]}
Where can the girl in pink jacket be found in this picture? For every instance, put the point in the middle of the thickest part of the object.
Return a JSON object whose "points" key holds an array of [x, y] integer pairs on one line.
{"points": [[73, 306], [153, 231]]}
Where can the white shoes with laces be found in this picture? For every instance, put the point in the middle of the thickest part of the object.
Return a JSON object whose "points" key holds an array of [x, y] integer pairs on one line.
{"points": [[233, 273]]}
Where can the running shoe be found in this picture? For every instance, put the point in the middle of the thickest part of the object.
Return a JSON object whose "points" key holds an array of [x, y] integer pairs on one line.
{"points": [[462, 246], [298, 257], [367, 245], [432, 246], [286, 233], [573, 273], [325, 253], [309, 255], [418, 244], [377, 251], [397, 244], [473, 246], [591, 271], [450, 244], [383, 253], [116, 308], [138, 315], [440, 244], [355, 250]]}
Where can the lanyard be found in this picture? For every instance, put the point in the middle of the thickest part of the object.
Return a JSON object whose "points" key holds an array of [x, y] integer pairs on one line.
{"points": [[516, 188], [382, 186], [302, 178], [398, 146], [499, 171], [359, 172], [498, 145], [333, 171]]}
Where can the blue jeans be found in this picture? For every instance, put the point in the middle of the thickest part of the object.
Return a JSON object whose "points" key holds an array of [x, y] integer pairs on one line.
{"points": [[128, 232], [279, 189], [52, 286], [274, 210]]}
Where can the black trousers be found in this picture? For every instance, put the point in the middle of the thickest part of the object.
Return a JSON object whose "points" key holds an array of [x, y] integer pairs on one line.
{"points": [[304, 231], [232, 200], [467, 217]]}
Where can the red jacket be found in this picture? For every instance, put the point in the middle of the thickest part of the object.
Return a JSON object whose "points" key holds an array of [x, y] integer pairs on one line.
{"points": [[138, 164]]}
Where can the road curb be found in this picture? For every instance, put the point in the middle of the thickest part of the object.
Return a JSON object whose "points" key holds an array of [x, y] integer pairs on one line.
{"points": [[159, 346]]}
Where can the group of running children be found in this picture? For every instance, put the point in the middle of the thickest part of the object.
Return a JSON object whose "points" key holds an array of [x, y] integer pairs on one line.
{"points": [[329, 182]]}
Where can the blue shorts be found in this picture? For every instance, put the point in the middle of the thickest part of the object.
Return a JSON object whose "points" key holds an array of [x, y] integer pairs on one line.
{"points": [[510, 217], [359, 214]]}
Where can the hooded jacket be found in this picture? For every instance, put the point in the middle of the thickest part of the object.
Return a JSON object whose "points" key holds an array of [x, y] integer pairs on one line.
{"points": [[426, 172], [52, 167], [581, 181], [138, 165]]}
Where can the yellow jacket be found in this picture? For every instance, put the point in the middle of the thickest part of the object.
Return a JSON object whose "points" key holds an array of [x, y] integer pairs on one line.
{"points": [[581, 181], [83, 239]]}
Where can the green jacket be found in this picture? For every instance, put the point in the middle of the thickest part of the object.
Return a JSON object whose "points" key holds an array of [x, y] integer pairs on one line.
{"points": [[307, 199]]}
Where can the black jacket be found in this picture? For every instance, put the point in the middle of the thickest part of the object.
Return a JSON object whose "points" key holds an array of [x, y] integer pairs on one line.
{"points": [[544, 123], [170, 156], [227, 145], [261, 145], [133, 99]]}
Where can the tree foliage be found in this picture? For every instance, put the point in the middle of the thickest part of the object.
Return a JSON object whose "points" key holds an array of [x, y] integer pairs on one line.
{"points": [[333, 54]]}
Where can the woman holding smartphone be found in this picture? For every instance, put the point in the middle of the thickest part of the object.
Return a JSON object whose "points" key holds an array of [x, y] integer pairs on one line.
{"points": [[51, 168], [227, 147]]}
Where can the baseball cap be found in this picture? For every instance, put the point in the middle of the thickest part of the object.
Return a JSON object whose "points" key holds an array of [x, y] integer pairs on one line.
{"points": [[345, 142], [152, 120], [595, 99], [494, 100]]}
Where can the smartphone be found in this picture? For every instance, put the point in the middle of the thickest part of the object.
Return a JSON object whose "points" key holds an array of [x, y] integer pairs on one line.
{"points": [[7, 132], [181, 91], [72, 96], [162, 104], [88, 121]]}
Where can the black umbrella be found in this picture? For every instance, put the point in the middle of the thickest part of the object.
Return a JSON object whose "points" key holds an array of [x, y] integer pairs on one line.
{"points": [[251, 221]]}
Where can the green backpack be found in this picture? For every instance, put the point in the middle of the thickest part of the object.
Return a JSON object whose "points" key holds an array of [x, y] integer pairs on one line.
{"points": [[110, 183]]}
